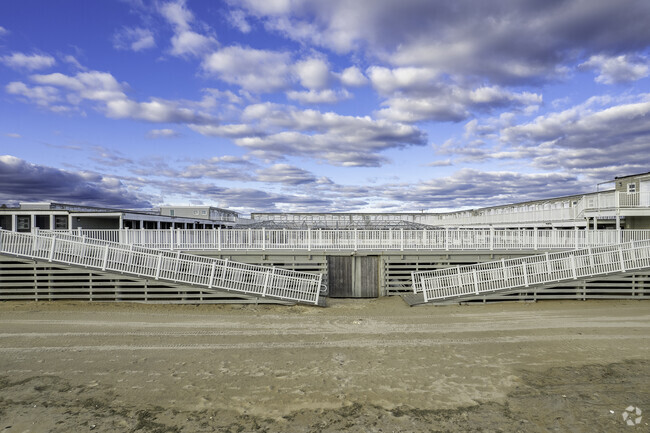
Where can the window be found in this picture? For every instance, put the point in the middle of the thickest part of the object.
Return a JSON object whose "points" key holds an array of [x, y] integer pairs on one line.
{"points": [[631, 187], [196, 212], [204, 212], [23, 223], [171, 212], [60, 222]]}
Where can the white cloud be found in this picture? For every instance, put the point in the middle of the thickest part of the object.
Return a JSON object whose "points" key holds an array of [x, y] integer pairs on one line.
{"points": [[617, 69], [340, 140], [135, 39], [314, 73], [448, 102], [237, 19], [162, 133], [103, 88], [327, 96], [505, 41], [255, 70], [353, 77], [43, 96], [189, 42], [30, 62], [387, 81], [3, 31], [185, 40], [13, 135], [286, 174], [74, 62]]}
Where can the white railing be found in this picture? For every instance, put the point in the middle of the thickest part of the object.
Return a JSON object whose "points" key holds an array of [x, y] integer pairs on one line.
{"points": [[172, 266], [539, 270], [353, 240]]}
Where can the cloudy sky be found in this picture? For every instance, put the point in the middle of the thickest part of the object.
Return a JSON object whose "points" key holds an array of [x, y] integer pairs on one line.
{"points": [[311, 105]]}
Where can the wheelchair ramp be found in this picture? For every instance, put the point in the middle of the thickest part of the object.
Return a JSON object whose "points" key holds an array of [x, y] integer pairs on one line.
{"points": [[535, 271], [176, 267]]}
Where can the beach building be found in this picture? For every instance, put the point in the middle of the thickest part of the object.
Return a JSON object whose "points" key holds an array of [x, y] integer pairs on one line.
{"points": [[61, 216], [583, 246]]}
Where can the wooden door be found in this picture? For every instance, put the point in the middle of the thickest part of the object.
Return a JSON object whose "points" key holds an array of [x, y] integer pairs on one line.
{"points": [[353, 276]]}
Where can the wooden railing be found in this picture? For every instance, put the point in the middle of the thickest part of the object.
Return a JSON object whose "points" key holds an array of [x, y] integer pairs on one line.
{"points": [[171, 266], [533, 271]]}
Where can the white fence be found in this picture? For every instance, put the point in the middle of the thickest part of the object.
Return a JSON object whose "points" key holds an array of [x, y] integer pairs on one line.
{"points": [[353, 240], [531, 271], [164, 265]]}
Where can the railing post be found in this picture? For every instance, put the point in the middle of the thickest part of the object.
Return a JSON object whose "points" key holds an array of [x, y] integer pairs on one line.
{"points": [[401, 239], [212, 271], [171, 238], [250, 238], [620, 256], [523, 265], [458, 277], [51, 257], [79, 231], [266, 281], [572, 258], [548, 264], [105, 261], [263, 239], [633, 254], [475, 281], [308, 238], [356, 239], [575, 233], [492, 233], [505, 270], [219, 239], [158, 265], [446, 238], [535, 238], [592, 267]]}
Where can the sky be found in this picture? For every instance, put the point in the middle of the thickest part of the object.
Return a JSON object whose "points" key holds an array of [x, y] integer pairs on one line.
{"points": [[320, 106]]}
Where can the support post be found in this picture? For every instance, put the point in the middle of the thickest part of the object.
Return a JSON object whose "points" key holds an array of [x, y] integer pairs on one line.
{"points": [[575, 232], [263, 239], [309, 239], [505, 270], [475, 281], [535, 239], [548, 264], [592, 267], [266, 281], [401, 239], [219, 239]]}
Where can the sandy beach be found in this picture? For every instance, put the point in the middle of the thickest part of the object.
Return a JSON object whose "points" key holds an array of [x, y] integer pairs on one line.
{"points": [[358, 366]]}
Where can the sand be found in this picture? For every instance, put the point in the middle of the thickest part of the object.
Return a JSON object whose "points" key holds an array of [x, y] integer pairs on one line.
{"points": [[357, 366]]}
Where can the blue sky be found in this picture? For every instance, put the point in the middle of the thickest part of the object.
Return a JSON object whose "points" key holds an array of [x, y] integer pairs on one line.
{"points": [[306, 105]]}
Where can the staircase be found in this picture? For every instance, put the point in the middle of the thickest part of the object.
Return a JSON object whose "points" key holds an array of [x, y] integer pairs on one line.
{"points": [[535, 271], [176, 267]]}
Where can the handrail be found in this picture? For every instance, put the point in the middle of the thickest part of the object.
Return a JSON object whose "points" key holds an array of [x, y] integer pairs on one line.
{"points": [[538, 270], [353, 240], [172, 266]]}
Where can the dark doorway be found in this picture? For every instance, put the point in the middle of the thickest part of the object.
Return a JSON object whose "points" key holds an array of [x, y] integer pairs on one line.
{"points": [[353, 276]]}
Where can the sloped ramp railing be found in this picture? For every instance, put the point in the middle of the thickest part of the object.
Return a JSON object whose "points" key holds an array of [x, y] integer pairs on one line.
{"points": [[532, 271], [177, 267]]}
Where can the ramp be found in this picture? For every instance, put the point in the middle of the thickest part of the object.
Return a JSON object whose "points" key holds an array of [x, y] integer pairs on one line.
{"points": [[176, 267], [535, 271]]}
